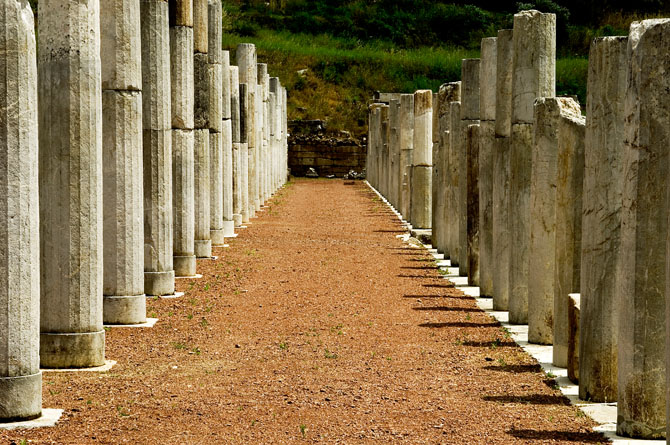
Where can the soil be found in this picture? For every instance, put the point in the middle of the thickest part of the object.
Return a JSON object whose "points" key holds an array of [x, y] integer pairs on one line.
{"points": [[317, 325]]}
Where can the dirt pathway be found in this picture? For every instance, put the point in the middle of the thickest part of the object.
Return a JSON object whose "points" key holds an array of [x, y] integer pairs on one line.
{"points": [[316, 325]]}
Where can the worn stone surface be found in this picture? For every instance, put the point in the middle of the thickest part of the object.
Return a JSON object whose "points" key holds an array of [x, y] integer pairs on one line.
{"points": [[156, 85], [120, 45], [406, 151], [123, 224], [20, 378], [504, 81], [642, 274], [181, 62], [200, 27], [246, 61], [227, 81], [521, 145], [228, 221], [487, 262], [215, 107], [70, 177], [470, 89], [214, 32], [201, 160], [534, 63], [181, 13], [501, 233], [183, 209], [472, 187], [235, 102], [422, 176], [453, 155], [601, 218], [488, 78], [201, 84], [573, 337], [394, 151], [216, 188], [384, 150], [421, 205], [244, 152]]}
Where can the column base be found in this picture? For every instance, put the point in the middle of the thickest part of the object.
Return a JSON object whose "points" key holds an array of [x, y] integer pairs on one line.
{"points": [[127, 309], [229, 229], [184, 266], [237, 219], [203, 248], [72, 350], [245, 217], [21, 398], [218, 237], [159, 283]]}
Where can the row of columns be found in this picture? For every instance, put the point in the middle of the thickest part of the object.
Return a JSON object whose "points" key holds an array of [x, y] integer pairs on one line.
{"points": [[561, 218], [138, 136]]}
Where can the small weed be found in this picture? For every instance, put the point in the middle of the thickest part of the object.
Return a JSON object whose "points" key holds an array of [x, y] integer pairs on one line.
{"points": [[203, 322], [196, 350], [178, 345], [389, 358], [89, 401], [283, 346], [170, 314], [551, 375], [253, 422], [23, 442], [193, 301], [495, 343], [152, 315], [468, 317], [107, 328], [329, 354], [337, 329], [501, 362], [580, 413], [189, 316], [122, 411], [303, 430], [206, 288]]}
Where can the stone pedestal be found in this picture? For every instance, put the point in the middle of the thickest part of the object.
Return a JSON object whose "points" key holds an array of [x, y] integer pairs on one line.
{"points": [[20, 377], [601, 218], [70, 191], [472, 187], [157, 148], [642, 266]]}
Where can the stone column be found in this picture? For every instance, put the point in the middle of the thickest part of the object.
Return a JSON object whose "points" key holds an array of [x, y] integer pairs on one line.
{"points": [[406, 152], [554, 149], [601, 218], [374, 137], [121, 48], [487, 114], [384, 145], [70, 184], [216, 68], [501, 169], [394, 151], [472, 193], [183, 97], [449, 92], [157, 148], [469, 116], [264, 89], [228, 138], [246, 61], [422, 161], [642, 266], [437, 213], [20, 377], [237, 140], [244, 151], [456, 161], [534, 75]]}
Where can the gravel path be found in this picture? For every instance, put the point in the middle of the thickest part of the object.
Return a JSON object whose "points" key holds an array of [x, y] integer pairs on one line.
{"points": [[316, 325]]}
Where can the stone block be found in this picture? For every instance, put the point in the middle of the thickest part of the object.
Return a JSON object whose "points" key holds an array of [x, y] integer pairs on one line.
{"points": [[487, 263], [201, 160], [406, 152], [216, 188], [473, 229], [421, 205], [200, 27], [215, 114], [181, 62], [120, 45], [227, 76], [201, 83], [470, 89], [501, 228], [488, 78], [573, 337], [214, 32], [181, 13], [156, 85], [423, 128]]}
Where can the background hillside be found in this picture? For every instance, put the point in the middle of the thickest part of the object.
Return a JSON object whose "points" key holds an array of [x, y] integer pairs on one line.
{"points": [[333, 55]]}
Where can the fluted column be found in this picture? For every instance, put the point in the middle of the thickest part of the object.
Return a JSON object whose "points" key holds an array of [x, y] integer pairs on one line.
{"points": [[237, 140], [228, 221], [246, 61]]}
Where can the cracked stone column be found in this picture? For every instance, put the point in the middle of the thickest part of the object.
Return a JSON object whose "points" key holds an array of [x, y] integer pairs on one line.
{"points": [[449, 92], [183, 97], [70, 176], [202, 118], [534, 75], [601, 218], [487, 114], [157, 148], [469, 242], [246, 61], [406, 152], [237, 140], [642, 269], [216, 69], [501, 168], [557, 159], [124, 301], [228, 138], [20, 376], [455, 162], [422, 161]]}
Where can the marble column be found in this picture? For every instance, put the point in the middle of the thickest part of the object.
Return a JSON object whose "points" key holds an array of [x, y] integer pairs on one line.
{"points": [[20, 376], [70, 184], [157, 148], [183, 98], [601, 218], [237, 140], [246, 61]]}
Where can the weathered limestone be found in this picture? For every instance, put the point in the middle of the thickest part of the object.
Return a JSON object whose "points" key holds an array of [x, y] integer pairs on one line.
{"points": [[472, 187], [437, 207], [183, 100], [216, 69], [157, 148], [216, 231], [201, 159], [601, 218], [394, 151], [374, 136], [450, 92], [422, 162], [469, 116], [456, 159], [228, 138], [642, 266], [263, 128], [557, 146], [244, 151], [123, 285], [501, 169], [20, 377], [200, 27], [573, 337], [487, 101], [246, 61], [227, 110], [406, 151], [384, 145], [533, 76], [70, 176], [237, 138]]}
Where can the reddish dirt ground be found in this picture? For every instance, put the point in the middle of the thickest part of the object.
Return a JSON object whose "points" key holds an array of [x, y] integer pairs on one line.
{"points": [[316, 325]]}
